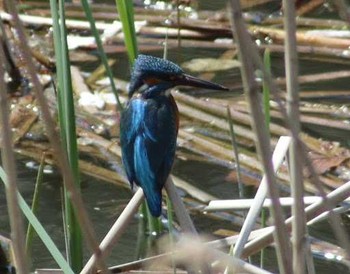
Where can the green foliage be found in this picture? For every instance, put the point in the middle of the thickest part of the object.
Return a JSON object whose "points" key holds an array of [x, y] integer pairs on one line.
{"points": [[47, 241], [266, 107], [35, 203], [68, 130], [266, 90], [126, 15], [103, 56], [242, 191]]}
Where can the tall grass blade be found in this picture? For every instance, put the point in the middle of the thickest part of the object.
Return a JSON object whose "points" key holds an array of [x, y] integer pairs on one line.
{"points": [[68, 130], [266, 90], [153, 224], [126, 15], [35, 204], [239, 177], [49, 244], [236, 153], [266, 108], [103, 56]]}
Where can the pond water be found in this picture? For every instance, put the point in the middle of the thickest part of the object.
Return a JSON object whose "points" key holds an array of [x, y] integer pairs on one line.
{"points": [[105, 201]]}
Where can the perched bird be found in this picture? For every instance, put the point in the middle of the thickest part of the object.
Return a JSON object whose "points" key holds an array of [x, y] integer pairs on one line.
{"points": [[149, 124]]}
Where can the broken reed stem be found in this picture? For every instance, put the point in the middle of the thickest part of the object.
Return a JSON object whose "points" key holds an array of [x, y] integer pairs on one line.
{"points": [[296, 178], [263, 146], [8, 162], [253, 213], [62, 161], [312, 211], [116, 230], [180, 210]]}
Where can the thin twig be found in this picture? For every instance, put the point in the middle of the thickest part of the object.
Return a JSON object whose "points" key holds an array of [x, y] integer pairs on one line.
{"points": [[8, 162]]}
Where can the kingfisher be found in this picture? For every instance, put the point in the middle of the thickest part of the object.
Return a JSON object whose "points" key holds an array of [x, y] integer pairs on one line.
{"points": [[150, 122]]}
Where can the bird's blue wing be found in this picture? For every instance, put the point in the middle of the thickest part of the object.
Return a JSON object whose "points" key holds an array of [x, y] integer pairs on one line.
{"points": [[148, 138]]}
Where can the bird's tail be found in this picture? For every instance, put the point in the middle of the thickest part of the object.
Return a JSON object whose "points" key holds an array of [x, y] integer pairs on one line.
{"points": [[154, 201]]}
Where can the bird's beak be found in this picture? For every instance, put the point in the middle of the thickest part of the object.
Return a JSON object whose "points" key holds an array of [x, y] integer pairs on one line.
{"points": [[188, 80]]}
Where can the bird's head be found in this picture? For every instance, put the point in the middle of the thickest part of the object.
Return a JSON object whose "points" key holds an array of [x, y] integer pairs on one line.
{"points": [[151, 71]]}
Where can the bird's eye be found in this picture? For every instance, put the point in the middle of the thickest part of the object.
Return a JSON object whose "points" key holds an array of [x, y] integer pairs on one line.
{"points": [[172, 78]]}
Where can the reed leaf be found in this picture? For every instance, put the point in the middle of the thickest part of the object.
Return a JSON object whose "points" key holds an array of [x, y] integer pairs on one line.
{"points": [[126, 15], [103, 56], [266, 108], [68, 130], [236, 153], [266, 89], [44, 236], [35, 204]]}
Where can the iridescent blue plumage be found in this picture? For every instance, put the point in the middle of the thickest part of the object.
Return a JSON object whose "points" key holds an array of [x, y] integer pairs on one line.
{"points": [[149, 125]]}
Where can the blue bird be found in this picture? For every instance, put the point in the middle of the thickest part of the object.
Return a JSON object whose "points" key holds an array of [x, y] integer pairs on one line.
{"points": [[149, 125]]}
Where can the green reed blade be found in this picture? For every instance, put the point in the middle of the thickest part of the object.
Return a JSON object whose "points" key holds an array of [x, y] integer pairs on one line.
{"points": [[154, 224], [266, 90], [126, 15], [35, 204], [103, 56], [49, 244], [241, 186], [266, 108], [68, 130]]}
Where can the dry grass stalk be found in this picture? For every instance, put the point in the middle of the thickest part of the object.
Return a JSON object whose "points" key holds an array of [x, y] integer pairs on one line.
{"points": [[252, 93], [8, 162], [295, 168], [179, 208]]}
